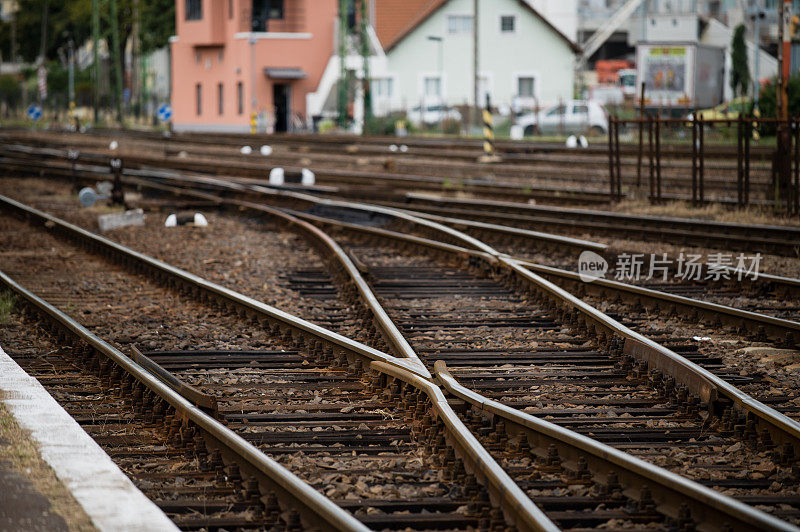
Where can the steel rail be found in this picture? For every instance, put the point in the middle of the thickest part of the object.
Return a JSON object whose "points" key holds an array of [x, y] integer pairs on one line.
{"points": [[314, 508], [549, 238], [189, 392], [710, 388], [791, 233], [504, 260], [453, 147], [325, 244], [303, 330], [775, 328], [698, 380], [503, 490], [706, 385], [390, 332], [710, 509], [516, 505], [232, 162]]}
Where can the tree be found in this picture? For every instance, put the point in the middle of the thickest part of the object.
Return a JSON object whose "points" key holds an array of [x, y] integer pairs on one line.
{"points": [[73, 20], [767, 102], [158, 23], [740, 73]]}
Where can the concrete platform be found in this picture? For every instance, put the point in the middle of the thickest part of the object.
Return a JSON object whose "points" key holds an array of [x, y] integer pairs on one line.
{"points": [[107, 496]]}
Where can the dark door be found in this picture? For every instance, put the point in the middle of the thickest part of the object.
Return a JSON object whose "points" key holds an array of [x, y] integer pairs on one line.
{"points": [[280, 96]]}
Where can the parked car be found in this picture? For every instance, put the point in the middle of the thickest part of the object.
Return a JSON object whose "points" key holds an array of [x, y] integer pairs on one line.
{"points": [[433, 114], [574, 117], [724, 111]]}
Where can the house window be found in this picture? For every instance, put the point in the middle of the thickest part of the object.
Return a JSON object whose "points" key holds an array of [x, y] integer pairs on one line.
{"points": [[507, 24], [198, 89], [230, 9], [239, 98], [194, 9], [525, 86], [264, 10], [459, 23], [382, 87], [433, 86], [219, 97]]}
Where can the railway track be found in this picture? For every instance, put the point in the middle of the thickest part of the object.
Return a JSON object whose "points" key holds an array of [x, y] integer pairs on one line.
{"points": [[574, 507], [781, 240], [497, 343], [356, 181], [768, 295], [338, 418], [526, 219], [547, 176]]}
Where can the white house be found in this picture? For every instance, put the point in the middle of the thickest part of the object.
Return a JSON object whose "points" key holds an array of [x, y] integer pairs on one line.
{"points": [[523, 58]]}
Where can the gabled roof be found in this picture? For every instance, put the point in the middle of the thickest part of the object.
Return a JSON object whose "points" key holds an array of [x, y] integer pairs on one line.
{"points": [[392, 17], [402, 18]]}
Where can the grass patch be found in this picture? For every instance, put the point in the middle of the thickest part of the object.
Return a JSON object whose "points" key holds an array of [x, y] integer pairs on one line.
{"points": [[7, 301]]}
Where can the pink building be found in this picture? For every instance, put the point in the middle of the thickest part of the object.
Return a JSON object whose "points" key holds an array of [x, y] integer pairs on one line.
{"points": [[231, 58]]}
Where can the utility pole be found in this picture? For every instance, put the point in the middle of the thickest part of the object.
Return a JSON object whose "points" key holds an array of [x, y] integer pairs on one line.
{"points": [[756, 15], [71, 72], [782, 159], [136, 76], [15, 14], [365, 49], [116, 60], [253, 91], [341, 101], [96, 66], [475, 75], [43, 45]]}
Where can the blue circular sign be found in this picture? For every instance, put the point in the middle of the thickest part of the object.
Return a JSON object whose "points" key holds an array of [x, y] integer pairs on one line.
{"points": [[164, 112], [34, 112]]}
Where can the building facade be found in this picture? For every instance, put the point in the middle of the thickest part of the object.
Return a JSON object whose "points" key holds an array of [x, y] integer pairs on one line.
{"points": [[234, 58], [523, 59]]}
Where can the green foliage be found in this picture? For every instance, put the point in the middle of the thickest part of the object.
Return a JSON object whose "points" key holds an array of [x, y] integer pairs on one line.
{"points": [[157, 18], [767, 103], [62, 23], [7, 300], [73, 19], [58, 78], [9, 90], [740, 74], [383, 125]]}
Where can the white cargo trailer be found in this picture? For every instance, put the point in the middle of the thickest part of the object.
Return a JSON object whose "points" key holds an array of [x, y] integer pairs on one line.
{"points": [[680, 75]]}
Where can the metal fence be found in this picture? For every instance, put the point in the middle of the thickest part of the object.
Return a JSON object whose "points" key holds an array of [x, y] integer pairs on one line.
{"points": [[730, 161]]}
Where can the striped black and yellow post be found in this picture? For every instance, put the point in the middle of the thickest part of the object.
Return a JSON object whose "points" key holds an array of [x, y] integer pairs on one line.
{"points": [[253, 123], [488, 133], [489, 154]]}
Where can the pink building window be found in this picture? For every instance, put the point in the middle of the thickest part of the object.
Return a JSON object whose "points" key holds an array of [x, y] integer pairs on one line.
{"points": [[264, 10], [194, 9], [240, 97], [219, 96]]}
